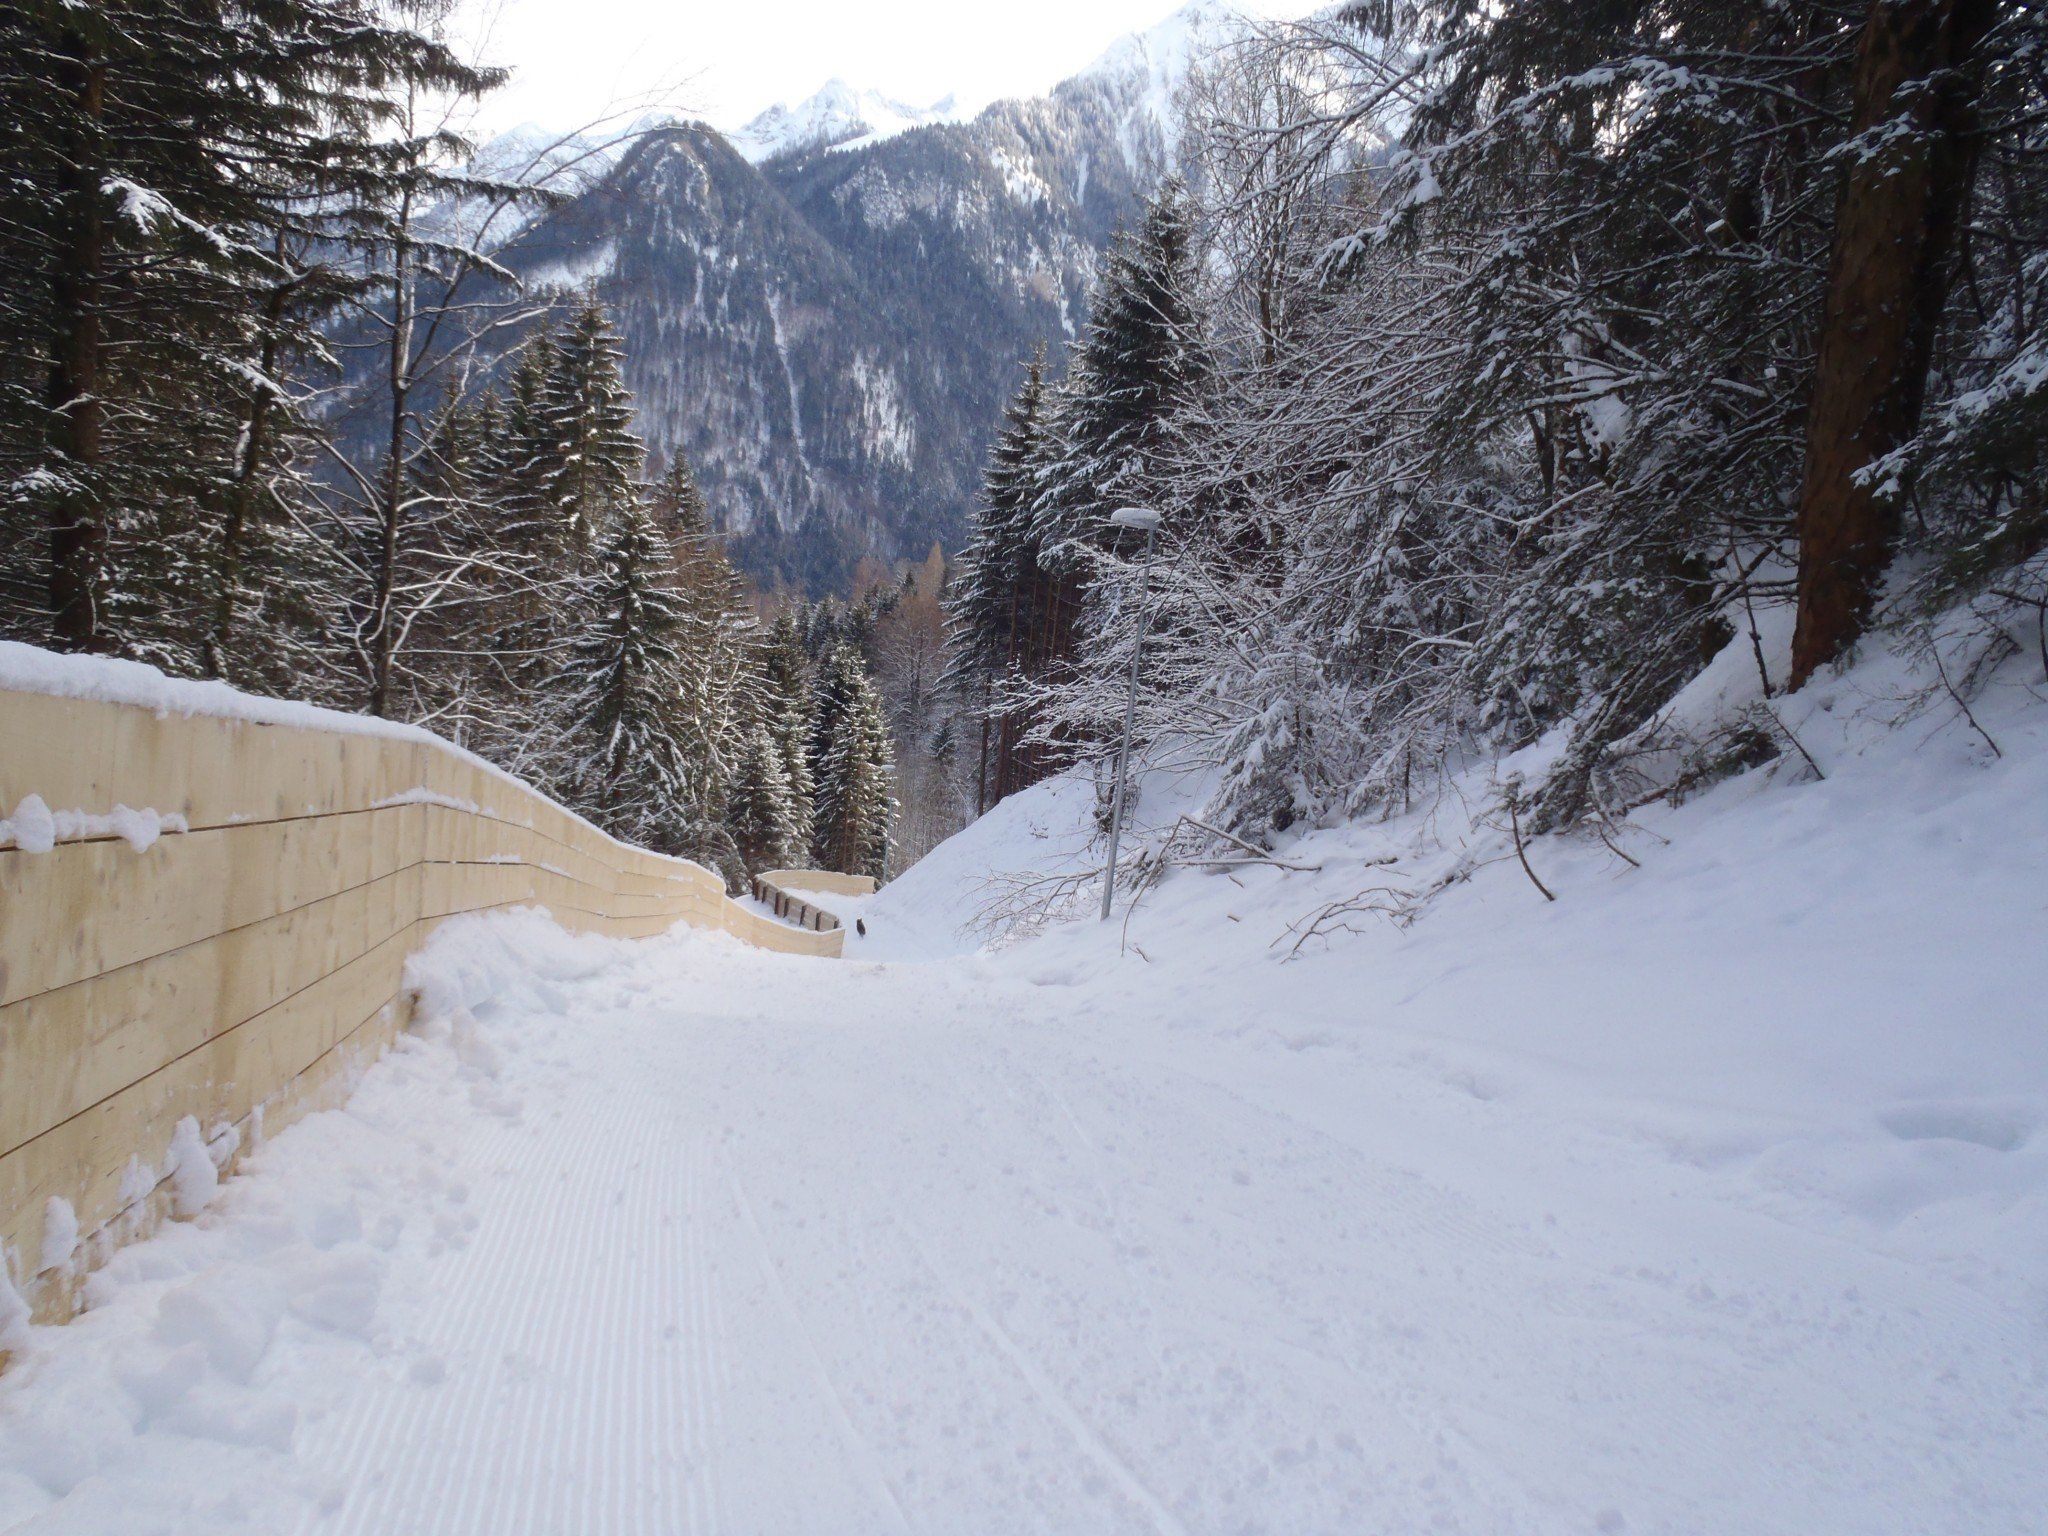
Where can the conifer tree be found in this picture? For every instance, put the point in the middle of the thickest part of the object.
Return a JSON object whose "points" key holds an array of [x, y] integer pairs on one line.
{"points": [[1139, 359], [991, 607], [856, 790], [518, 459], [622, 758], [786, 714], [593, 460], [763, 813], [720, 684], [1105, 444], [831, 691]]}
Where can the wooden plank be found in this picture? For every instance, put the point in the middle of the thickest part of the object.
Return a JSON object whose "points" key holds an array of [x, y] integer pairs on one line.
{"points": [[64, 1050], [83, 909], [86, 1158], [83, 755]]}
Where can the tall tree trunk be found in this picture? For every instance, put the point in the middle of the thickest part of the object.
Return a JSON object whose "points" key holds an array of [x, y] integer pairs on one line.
{"points": [[1888, 278], [77, 517], [391, 494], [239, 524]]}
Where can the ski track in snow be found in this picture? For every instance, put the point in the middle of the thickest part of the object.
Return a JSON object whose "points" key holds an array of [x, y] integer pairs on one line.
{"points": [[700, 1239]]}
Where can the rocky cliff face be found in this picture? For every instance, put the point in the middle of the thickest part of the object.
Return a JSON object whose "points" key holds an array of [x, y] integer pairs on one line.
{"points": [[829, 332]]}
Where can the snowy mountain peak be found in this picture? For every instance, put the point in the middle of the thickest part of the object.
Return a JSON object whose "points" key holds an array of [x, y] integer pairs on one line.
{"points": [[1141, 75], [1166, 50], [838, 114]]}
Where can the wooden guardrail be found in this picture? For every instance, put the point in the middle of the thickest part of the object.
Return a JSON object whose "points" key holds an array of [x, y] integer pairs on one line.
{"points": [[777, 888], [206, 903]]}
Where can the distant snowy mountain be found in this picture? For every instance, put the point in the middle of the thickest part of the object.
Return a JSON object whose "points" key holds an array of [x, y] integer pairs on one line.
{"points": [[1141, 74], [839, 114], [826, 310], [531, 155]]}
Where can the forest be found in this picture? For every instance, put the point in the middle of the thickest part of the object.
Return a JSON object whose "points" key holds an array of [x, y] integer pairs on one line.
{"points": [[271, 413], [1495, 366]]}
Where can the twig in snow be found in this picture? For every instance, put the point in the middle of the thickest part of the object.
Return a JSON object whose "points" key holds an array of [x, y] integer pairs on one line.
{"points": [[1147, 877], [1257, 855], [1515, 826], [1600, 826], [1962, 704], [1797, 746], [1397, 906], [1299, 869]]}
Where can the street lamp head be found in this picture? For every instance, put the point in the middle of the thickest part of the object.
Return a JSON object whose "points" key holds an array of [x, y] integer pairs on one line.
{"points": [[1143, 519]]}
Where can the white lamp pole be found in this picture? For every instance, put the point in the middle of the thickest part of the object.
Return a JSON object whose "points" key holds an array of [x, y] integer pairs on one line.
{"points": [[1146, 518]]}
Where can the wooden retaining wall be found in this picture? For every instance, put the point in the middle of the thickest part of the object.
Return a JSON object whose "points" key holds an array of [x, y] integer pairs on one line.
{"points": [[243, 971]]}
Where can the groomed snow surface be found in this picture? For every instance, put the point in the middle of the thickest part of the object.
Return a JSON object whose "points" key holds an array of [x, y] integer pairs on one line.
{"points": [[1710, 1200]]}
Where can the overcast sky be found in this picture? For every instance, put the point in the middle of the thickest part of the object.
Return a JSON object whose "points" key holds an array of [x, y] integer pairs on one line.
{"points": [[725, 60]]}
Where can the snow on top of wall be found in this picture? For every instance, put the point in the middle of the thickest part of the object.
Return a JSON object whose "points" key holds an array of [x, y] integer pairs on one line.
{"points": [[110, 680]]}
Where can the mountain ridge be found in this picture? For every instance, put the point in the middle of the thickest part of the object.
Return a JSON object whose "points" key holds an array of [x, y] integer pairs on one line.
{"points": [[828, 331]]}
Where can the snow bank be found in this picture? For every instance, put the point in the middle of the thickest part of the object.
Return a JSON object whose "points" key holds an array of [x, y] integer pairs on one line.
{"points": [[1824, 995], [185, 1388]]}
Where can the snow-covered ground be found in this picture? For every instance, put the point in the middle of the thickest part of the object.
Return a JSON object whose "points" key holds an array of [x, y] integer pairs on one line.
{"points": [[1711, 1197]]}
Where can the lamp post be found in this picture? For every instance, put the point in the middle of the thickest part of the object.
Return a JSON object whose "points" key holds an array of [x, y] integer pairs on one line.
{"points": [[1146, 518]]}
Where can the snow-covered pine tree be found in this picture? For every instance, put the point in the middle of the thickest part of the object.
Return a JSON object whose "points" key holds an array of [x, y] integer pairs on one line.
{"points": [[762, 812], [989, 607], [586, 421], [680, 509], [831, 691], [570, 468], [624, 763], [526, 592], [517, 460], [856, 790], [786, 714], [555, 468], [720, 686], [1106, 446]]}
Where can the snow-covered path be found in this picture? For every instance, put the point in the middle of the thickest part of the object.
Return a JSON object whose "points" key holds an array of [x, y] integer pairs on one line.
{"points": [[680, 1237]]}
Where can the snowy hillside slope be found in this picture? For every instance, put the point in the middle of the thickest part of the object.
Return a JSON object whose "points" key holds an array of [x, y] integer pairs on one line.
{"points": [[1826, 999]]}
